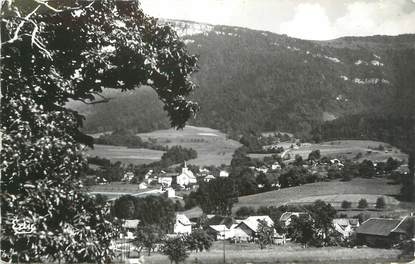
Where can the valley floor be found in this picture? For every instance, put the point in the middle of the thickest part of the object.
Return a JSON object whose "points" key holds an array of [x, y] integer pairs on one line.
{"points": [[289, 253]]}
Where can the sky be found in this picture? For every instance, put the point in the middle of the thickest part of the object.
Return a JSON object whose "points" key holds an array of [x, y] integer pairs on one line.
{"points": [[306, 19]]}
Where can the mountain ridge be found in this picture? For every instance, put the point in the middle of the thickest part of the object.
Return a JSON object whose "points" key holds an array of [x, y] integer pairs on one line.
{"points": [[251, 79]]}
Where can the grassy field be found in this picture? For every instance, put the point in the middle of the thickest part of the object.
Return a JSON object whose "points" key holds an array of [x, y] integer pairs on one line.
{"points": [[126, 155], [333, 192], [118, 189], [212, 146], [289, 253], [344, 149], [350, 148]]}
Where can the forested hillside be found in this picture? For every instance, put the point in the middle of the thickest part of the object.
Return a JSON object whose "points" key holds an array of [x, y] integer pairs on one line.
{"points": [[263, 81]]}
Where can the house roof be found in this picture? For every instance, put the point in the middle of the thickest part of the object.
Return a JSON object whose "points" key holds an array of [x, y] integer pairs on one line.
{"points": [[253, 221], [181, 218], [287, 215], [346, 221], [378, 226], [131, 223]]}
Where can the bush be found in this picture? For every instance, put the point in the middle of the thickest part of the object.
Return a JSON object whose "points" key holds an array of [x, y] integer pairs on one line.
{"points": [[314, 155], [380, 203], [362, 203], [346, 204]]}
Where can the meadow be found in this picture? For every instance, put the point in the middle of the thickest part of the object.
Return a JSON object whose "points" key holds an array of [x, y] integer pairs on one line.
{"points": [[345, 149], [136, 156], [288, 253], [333, 192], [212, 146], [349, 149]]}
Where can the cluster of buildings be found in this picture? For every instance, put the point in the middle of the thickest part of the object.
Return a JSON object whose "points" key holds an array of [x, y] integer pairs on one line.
{"points": [[385, 232], [374, 232], [244, 230], [184, 179]]}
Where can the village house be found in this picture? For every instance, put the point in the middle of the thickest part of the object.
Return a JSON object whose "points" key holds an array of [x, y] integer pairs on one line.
{"points": [[275, 166], [224, 174], [263, 169], [286, 217], [345, 226], [130, 226], [182, 225], [208, 178], [385, 232], [128, 176], [221, 232], [247, 230], [223, 228], [142, 186], [166, 179], [171, 193]]}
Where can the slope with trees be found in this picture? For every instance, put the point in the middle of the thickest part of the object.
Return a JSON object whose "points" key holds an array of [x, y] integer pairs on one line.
{"points": [[274, 82]]}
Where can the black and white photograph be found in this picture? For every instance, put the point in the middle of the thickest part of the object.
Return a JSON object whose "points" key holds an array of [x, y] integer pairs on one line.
{"points": [[207, 131]]}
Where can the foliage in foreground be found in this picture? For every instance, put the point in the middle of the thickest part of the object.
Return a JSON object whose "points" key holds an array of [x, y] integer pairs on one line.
{"points": [[48, 58]]}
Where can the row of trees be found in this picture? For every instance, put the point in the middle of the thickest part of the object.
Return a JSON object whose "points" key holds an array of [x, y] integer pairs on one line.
{"points": [[362, 204], [150, 210], [127, 138], [255, 142]]}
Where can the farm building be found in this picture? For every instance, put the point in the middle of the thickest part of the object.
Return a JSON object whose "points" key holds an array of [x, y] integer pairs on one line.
{"points": [[286, 217], [220, 227], [345, 226], [224, 174], [384, 232], [130, 227], [142, 186], [208, 178], [167, 178], [224, 232], [182, 225], [251, 224]]}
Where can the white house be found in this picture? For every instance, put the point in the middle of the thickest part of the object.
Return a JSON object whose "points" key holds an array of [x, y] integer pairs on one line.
{"points": [[286, 217], [223, 173], [128, 176], [345, 226], [171, 193], [148, 174], [275, 166], [182, 225], [249, 226], [130, 227], [223, 232], [142, 186], [203, 171], [165, 180], [208, 178], [263, 169], [186, 177]]}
